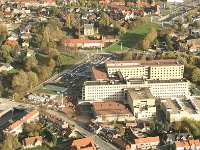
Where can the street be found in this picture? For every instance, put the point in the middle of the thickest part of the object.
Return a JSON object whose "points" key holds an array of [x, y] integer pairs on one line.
{"points": [[101, 143]]}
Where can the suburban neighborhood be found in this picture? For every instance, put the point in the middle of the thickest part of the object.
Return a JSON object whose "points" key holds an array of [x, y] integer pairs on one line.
{"points": [[99, 75]]}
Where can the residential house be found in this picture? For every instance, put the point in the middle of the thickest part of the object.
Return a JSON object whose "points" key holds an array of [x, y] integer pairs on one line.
{"points": [[57, 122], [5, 67], [32, 142], [193, 48], [187, 145], [123, 145], [111, 111], [147, 143], [16, 127], [83, 144], [88, 29]]}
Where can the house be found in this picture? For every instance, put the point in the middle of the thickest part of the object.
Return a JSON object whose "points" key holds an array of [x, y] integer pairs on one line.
{"points": [[32, 142], [83, 43], [119, 142], [83, 144], [147, 143], [110, 111], [11, 42], [193, 48], [88, 29], [16, 127], [5, 67]]}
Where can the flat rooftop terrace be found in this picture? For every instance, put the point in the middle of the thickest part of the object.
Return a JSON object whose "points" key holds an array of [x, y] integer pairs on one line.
{"points": [[142, 93]]}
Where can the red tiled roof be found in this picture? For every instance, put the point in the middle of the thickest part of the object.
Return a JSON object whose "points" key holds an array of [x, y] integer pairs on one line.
{"points": [[99, 74], [11, 42], [118, 7], [121, 144], [84, 143], [80, 41], [24, 119], [147, 140], [32, 140]]}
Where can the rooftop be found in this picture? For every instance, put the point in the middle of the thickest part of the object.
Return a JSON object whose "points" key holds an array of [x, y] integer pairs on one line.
{"points": [[111, 82], [167, 81], [142, 63], [142, 93], [110, 107], [32, 140], [99, 75], [176, 106], [83, 144], [147, 140]]}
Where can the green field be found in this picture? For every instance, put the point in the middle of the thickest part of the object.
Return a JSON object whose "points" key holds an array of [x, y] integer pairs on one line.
{"points": [[131, 38], [47, 91]]}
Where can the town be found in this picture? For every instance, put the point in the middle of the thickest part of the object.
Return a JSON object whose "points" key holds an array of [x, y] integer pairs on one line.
{"points": [[99, 75]]}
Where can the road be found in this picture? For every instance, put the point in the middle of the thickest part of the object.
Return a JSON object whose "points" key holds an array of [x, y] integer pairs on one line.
{"points": [[101, 143]]}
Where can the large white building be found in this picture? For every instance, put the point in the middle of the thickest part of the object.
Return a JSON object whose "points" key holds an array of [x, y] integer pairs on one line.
{"points": [[154, 69], [114, 90]]}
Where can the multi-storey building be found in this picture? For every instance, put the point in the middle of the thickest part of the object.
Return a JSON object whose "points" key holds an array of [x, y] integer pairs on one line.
{"points": [[154, 69], [168, 88], [114, 90], [141, 102]]}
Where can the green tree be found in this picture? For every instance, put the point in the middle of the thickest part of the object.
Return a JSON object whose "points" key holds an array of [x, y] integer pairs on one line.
{"points": [[31, 129], [145, 44], [195, 75], [20, 82], [105, 20], [53, 53], [127, 56], [32, 79], [10, 142], [60, 60], [197, 24], [30, 63], [3, 33], [43, 73]]}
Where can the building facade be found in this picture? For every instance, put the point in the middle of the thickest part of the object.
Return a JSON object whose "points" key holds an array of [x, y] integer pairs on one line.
{"points": [[141, 102], [155, 69]]}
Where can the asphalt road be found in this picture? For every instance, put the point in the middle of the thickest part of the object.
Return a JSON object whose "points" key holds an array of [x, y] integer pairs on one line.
{"points": [[101, 143]]}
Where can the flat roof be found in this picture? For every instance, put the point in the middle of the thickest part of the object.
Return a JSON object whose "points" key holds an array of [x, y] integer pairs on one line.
{"points": [[179, 105], [136, 63], [111, 82], [142, 93], [167, 81], [110, 108]]}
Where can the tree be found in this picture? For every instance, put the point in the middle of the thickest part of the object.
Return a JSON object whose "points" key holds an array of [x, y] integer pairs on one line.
{"points": [[197, 24], [105, 20], [195, 75], [53, 53], [60, 60], [30, 63], [145, 44], [43, 73], [32, 79], [50, 137], [142, 57], [10, 142], [3, 33], [31, 129], [20, 82], [52, 63], [127, 55]]}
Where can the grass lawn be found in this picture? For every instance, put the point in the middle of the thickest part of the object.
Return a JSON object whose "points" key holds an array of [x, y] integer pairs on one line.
{"points": [[196, 91], [131, 38], [43, 59], [47, 91], [57, 84]]}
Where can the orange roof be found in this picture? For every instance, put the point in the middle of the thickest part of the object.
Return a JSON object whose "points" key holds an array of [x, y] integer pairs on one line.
{"points": [[99, 75], [193, 46], [147, 140], [11, 42], [83, 144], [22, 120], [80, 41], [178, 144], [197, 142], [32, 140], [110, 107], [121, 143]]}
